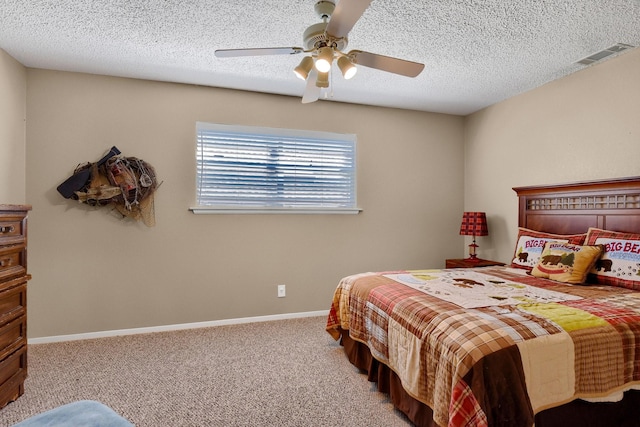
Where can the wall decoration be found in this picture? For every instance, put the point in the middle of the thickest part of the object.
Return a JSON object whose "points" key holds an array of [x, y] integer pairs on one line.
{"points": [[126, 183]]}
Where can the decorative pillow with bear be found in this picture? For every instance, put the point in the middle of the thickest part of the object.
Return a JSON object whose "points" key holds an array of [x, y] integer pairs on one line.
{"points": [[566, 262], [530, 243], [620, 263]]}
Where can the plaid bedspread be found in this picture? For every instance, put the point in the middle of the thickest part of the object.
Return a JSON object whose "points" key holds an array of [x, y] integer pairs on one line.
{"points": [[500, 364]]}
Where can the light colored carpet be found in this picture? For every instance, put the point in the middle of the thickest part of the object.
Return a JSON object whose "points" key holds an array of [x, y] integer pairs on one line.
{"points": [[279, 373]]}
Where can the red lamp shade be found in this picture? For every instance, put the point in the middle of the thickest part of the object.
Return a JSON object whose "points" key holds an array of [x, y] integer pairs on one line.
{"points": [[474, 224]]}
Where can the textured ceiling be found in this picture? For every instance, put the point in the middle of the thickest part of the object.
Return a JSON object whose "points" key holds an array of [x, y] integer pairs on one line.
{"points": [[476, 52]]}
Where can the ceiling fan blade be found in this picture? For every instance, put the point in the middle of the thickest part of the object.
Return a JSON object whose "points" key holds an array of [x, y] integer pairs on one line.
{"points": [[230, 53], [386, 63], [345, 16], [311, 91]]}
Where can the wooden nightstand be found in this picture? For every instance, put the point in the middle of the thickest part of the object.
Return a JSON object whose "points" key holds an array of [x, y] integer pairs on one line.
{"points": [[465, 263]]}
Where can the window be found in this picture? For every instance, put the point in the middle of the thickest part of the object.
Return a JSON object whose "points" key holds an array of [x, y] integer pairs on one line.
{"points": [[255, 169]]}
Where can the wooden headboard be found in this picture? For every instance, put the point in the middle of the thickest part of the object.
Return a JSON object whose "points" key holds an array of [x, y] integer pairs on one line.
{"points": [[572, 208]]}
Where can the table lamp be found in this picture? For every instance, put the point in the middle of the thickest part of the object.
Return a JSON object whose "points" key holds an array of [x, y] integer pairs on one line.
{"points": [[474, 224]]}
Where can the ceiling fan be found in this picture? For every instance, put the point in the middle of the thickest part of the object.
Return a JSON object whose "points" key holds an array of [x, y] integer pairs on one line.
{"points": [[325, 42]]}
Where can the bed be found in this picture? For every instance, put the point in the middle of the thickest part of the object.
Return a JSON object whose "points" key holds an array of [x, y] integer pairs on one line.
{"points": [[551, 339]]}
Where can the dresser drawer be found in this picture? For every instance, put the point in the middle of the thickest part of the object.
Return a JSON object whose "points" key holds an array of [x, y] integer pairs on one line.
{"points": [[13, 335], [13, 371], [13, 228], [13, 261], [13, 299]]}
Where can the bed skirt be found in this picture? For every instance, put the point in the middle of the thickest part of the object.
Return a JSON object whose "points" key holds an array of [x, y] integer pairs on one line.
{"points": [[578, 413]]}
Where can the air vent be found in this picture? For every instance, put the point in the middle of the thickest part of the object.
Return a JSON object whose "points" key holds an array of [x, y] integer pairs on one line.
{"points": [[604, 53]]}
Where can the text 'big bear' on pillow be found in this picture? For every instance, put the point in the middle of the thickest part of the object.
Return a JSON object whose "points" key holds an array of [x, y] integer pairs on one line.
{"points": [[620, 263], [565, 262], [530, 243]]}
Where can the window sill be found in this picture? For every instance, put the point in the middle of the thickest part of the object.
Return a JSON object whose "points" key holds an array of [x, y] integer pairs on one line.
{"points": [[292, 211]]}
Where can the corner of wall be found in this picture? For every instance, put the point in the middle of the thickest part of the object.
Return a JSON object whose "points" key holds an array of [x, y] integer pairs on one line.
{"points": [[13, 112]]}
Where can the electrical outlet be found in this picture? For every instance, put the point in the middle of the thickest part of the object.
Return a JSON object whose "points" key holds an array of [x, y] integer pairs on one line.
{"points": [[282, 291]]}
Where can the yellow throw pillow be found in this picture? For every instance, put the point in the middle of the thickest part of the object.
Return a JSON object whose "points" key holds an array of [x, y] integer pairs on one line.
{"points": [[565, 262]]}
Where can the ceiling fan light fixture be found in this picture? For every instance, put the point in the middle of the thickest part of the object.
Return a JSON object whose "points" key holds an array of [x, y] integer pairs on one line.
{"points": [[302, 70], [325, 42], [324, 60], [347, 67], [323, 79]]}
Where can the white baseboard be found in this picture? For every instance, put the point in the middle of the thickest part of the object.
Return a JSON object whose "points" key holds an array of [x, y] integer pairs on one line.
{"points": [[181, 326]]}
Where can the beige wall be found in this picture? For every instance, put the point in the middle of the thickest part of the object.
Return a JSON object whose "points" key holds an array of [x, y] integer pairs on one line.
{"points": [[93, 271], [582, 127], [13, 97]]}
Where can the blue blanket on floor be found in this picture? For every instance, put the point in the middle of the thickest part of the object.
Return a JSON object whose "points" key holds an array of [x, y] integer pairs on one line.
{"points": [[84, 413]]}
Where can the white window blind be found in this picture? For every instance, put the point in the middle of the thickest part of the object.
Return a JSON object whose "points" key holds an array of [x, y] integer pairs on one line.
{"points": [[248, 169]]}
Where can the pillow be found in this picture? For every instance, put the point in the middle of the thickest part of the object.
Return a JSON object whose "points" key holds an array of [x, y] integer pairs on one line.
{"points": [[566, 262], [530, 243], [620, 263]]}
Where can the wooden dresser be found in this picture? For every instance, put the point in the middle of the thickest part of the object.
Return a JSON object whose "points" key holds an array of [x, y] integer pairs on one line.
{"points": [[13, 301]]}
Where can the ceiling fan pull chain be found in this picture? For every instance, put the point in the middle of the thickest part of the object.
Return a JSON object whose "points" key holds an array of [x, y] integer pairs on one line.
{"points": [[331, 83]]}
